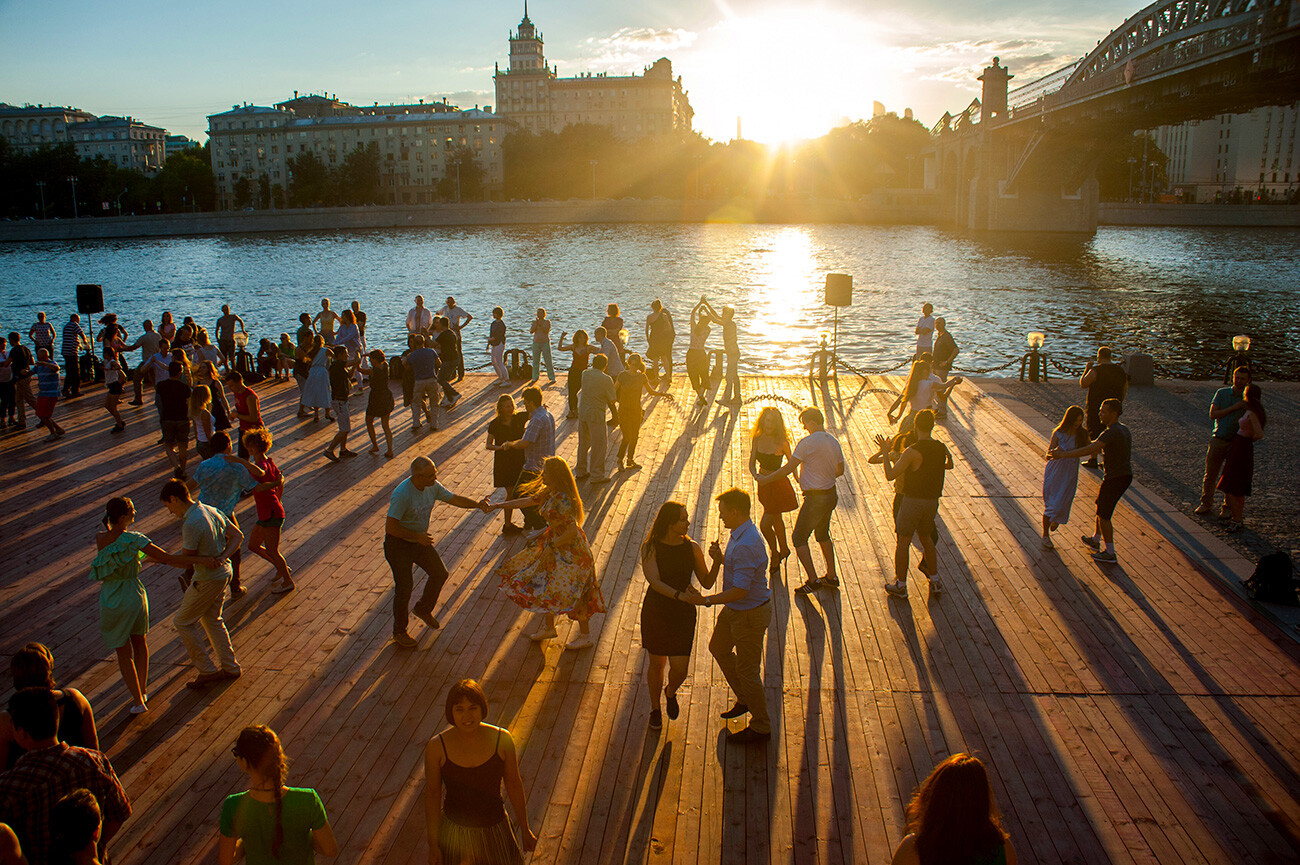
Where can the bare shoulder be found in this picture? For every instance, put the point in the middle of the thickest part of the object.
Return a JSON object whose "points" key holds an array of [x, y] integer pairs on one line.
{"points": [[906, 852]]}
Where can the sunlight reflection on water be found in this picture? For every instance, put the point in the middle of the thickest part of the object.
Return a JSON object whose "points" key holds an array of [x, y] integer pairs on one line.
{"points": [[1179, 293]]}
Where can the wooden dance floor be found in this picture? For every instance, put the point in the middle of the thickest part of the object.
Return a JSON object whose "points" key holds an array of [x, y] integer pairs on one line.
{"points": [[1139, 713]]}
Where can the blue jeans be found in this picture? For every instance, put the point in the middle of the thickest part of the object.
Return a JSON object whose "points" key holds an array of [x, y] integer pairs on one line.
{"points": [[542, 351]]}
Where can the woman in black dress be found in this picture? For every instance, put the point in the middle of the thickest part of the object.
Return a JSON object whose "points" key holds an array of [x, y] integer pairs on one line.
{"points": [[668, 559], [507, 463], [380, 403], [581, 351]]}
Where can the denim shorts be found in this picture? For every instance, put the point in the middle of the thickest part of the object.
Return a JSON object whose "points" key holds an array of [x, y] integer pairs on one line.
{"points": [[815, 516]]}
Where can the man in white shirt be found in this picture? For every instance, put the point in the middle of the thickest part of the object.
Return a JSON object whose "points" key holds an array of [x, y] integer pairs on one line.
{"points": [[458, 318], [925, 330], [420, 318], [819, 460]]}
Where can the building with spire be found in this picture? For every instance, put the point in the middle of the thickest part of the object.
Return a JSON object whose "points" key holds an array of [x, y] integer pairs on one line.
{"points": [[533, 96]]}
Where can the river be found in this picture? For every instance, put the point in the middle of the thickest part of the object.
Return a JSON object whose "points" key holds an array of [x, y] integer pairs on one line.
{"points": [[1177, 293]]}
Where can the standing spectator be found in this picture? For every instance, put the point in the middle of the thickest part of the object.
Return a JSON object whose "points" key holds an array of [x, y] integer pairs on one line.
{"points": [[305, 334], [613, 324], [507, 463], [19, 361], [50, 770], [206, 532], [923, 467], [325, 321], [1106, 380], [769, 448], [497, 346], [731, 350], [424, 364], [1115, 443], [1239, 466], [953, 818], [380, 403], [465, 816], [114, 378], [360, 318], [450, 359], [407, 543], [221, 480], [271, 822], [669, 558], [538, 445], [1226, 409], [167, 326], [457, 319], [340, 388], [819, 460], [555, 574], [173, 398], [42, 334], [47, 394], [741, 627], [316, 390], [630, 384], [596, 395], [541, 332], [925, 331], [8, 397], [581, 351], [123, 603], [697, 352], [74, 340], [32, 666], [248, 407], [226, 331], [264, 537], [1061, 477], [659, 337], [420, 319], [945, 354]]}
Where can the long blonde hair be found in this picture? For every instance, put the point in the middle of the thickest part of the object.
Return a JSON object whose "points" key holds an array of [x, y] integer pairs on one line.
{"points": [[782, 434], [561, 481]]}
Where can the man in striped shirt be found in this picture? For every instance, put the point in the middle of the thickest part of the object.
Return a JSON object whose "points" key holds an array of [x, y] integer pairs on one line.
{"points": [[74, 340]]}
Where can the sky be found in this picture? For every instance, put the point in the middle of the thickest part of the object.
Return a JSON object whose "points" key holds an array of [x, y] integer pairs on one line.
{"points": [[786, 70]]}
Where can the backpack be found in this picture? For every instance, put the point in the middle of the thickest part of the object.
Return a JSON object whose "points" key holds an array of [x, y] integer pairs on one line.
{"points": [[1272, 581]]}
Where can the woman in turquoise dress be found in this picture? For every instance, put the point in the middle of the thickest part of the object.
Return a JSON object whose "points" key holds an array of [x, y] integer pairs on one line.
{"points": [[123, 604], [555, 573]]}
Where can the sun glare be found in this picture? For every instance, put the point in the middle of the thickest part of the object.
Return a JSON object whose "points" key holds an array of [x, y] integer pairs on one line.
{"points": [[789, 74]]}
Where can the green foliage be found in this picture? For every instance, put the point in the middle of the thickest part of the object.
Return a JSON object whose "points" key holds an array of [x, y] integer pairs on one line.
{"points": [[1120, 174], [359, 177], [463, 180], [311, 185]]}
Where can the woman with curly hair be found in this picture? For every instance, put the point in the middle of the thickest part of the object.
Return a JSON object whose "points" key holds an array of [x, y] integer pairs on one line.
{"points": [[953, 820]]}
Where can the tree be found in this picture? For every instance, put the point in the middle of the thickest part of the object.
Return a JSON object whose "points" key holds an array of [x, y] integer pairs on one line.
{"points": [[1132, 167], [359, 176], [186, 182], [263, 191], [310, 184], [243, 192], [464, 178]]}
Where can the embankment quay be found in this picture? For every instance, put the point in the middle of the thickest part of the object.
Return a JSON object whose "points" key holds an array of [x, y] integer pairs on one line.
{"points": [[900, 208], [1132, 713]]}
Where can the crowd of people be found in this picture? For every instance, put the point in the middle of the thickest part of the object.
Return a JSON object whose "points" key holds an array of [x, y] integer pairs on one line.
{"points": [[205, 392]]}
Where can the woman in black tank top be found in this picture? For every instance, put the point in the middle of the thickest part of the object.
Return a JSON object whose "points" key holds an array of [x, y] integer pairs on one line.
{"points": [[465, 767]]}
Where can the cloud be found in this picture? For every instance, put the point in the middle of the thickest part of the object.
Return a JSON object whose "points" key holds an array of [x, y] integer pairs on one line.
{"points": [[961, 61], [631, 48]]}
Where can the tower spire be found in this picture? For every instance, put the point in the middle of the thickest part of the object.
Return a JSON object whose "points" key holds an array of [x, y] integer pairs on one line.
{"points": [[525, 10]]}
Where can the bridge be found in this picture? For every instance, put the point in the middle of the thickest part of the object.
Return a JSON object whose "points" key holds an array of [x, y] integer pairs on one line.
{"points": [[1024, 159]]}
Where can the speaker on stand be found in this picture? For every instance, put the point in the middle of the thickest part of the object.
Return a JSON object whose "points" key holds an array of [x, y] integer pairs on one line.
{"points": [[90, 299], [839, 292]]}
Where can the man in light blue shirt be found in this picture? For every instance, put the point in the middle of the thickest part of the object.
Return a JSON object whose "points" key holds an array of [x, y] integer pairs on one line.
{"points": [[595, 396], [740, 629], [407, 543], [205, 531], [220, 480]]}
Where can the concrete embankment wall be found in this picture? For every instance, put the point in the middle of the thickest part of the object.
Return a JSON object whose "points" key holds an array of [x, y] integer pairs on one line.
{"points": [[1192, 215], [572, 212]]}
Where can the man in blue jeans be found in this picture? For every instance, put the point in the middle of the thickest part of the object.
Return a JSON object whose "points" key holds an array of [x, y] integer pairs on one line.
{"points": [[741, 627], [822, 461]]}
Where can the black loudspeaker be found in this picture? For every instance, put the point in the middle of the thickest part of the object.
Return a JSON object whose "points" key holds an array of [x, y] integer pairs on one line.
{"points": [[839, 289], [90, 299]]}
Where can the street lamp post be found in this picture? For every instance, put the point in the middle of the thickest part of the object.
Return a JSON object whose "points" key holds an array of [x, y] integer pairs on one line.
{"points": [[593, 180], [73, 180], [40, 184]]}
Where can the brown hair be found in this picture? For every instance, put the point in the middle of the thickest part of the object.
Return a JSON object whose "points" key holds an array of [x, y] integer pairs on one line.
{"points": [[466, 690], [260, 748], [734, 498], [261, 435], [558, 470], [669, 513], [33, 667], [953, 813]]}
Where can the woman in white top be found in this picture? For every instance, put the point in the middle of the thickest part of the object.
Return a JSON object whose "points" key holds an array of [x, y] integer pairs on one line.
{"points": [[201, 417], [113, 381], [922, 391]]}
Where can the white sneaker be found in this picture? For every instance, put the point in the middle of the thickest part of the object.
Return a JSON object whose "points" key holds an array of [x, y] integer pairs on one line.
{"points": [[584, 641], [542, 636]]}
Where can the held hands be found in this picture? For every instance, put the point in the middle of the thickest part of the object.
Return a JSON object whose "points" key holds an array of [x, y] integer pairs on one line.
{"points": [[691, 595], [715, 553], [486, 506]]}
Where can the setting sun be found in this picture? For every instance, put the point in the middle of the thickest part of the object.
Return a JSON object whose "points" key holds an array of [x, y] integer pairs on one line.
{"points": [[789, 74]]}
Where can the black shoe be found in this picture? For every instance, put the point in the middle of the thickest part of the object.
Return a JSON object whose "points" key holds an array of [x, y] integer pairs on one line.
{"points": [[670, 701], [735, 711], [511, 529], [656, 720], [404, 641], [748, 736], [427, 618], [808, 587]]}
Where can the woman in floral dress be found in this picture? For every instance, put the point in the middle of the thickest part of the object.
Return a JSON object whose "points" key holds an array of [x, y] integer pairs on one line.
{"points": [[555, 573]]}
